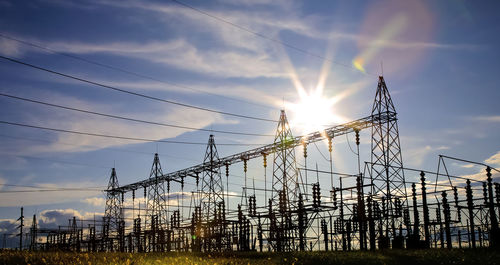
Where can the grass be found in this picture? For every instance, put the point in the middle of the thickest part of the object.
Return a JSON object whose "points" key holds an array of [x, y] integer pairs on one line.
{"points": [[406, 257]]}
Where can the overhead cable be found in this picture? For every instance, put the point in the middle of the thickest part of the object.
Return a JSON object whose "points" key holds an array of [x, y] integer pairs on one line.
{"points": [[127, 118], [260, 35], [115, 68], [119, 137], [134, 93]]}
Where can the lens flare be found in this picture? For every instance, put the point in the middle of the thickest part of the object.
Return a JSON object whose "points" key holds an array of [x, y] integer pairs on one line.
{"points": [[397, 33], [396, 25], [358, 64]]}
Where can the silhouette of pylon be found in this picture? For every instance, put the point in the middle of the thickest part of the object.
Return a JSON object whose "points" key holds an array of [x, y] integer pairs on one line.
{"points": [[387, 174], [113, 214], [285, 191]]}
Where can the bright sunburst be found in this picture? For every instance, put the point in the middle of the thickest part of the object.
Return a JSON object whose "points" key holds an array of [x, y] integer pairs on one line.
{"points": [[314, 111]]}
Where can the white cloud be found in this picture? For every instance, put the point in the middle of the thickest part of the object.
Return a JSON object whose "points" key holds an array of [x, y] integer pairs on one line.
{"points": [[95, 201], [2, 182], [182, 54], [494, 159], [480, 172], [8, 226], [468, 166], [86, 123], [415, 156], [493, 118], [241, 54], [56, 217], [481, 176], [10, 48]]}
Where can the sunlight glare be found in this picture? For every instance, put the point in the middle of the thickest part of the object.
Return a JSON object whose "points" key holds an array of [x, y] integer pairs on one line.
{"points": [[314, 111]]}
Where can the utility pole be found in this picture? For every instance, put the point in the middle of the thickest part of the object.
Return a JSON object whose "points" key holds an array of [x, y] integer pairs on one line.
{"points": [[21, 229]]}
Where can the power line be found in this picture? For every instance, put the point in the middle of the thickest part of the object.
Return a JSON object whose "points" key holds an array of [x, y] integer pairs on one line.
{"points": [[54, 161], [47, 190], [129, 119], [260, 35], [81, 164], [134, 93], [125, 71], [38, 187], [95, 146], [118, 137]]}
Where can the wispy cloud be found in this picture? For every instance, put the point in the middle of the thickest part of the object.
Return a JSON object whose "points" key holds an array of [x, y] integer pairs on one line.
{"points": [[10, 48], [183, 54], [494, 118], [240, 53], [95, 201], [85, 123], [477, 175], [494, 159], [2, 182], [415, 156]]}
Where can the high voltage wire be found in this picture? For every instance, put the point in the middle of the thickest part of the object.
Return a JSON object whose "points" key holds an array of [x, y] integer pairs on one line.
{"points": [[124, 70], [118, 137], [39, 187], [95, 146], [47, 190], [55, 161], [96, 166], [129, 119], [260, 35], [134, 93]]}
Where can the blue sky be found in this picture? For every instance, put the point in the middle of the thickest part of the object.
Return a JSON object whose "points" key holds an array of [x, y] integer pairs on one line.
{"points": [[439, 59]]}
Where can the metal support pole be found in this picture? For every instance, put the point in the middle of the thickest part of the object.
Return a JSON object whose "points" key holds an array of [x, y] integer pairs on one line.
{"points": [[470, 207], [21, 218], [425, 211], [447, 219], [494, 232]]}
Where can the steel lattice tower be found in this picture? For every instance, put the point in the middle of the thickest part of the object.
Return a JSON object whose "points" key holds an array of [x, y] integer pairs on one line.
{"points": [[285, 191], [387, 174], [113, 213], [212, 200], [212, 191], [156, 201]]}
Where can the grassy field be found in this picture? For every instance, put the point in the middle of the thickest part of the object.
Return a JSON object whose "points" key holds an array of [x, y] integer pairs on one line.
{"points": [[406, 257]]}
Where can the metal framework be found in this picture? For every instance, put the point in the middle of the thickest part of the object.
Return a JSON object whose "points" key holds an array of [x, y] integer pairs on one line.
{"points": [[386, 174], [363, 210], [113, 214]]}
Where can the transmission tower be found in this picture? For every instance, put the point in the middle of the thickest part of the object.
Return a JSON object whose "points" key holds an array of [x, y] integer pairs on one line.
{"points": [[387, 176], [285, 191], [212, 201], [113, 214], [156, 200]]}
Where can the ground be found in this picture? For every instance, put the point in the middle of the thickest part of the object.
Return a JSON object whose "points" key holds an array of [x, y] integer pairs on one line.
{"points": [[406, 257]]}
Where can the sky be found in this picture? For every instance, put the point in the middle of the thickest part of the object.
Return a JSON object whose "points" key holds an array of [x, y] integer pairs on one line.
{"points": [[318, 60]]}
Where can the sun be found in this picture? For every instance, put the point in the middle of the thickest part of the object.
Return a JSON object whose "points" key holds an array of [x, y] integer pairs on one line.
{"points": [[313, 112]]}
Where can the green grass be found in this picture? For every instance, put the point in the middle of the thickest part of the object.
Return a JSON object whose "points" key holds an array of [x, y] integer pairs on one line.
{"points": [[406, 257]]}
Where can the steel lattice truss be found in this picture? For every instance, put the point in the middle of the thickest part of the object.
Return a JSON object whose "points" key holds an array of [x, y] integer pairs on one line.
{"points": [[285, 190], [113, 211], [332, 132], [156, 196], [367, 210], [387, 176]]}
